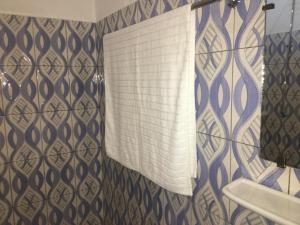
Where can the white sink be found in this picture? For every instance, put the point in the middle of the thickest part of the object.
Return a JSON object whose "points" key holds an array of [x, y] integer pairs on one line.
{"points": [[274, 205]]}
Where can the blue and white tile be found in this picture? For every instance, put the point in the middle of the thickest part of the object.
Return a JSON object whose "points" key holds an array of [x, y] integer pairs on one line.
{"points": [[177, 209], [86, 129], [248, 73], [88, 186], [167, 5], [6, 212], [134, 213], [242, 215], [19, 89], [60, 176], [23, 137], [60, 188], [54, 88], [115, 21], [3, 149], [81, 38], [109, 213], [120, 196], [152, 202], [249, 24], [295, 50], [209, 204], [127, 14], [146, 9], [2, 83], [276, 48], [50, 41], [31, 213], [16, 40], [28, 182], [295, 183], [247, 163], [84, 87], [214, 28], [213, 93], [56, 132]]}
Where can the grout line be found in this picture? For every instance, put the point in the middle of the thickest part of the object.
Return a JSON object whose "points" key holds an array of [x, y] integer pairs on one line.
{"points": [[232, 49], [227, 139]]}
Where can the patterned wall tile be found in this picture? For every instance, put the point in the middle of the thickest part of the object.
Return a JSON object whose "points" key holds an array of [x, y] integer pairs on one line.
{"points": [[209, 204], [86, 129], [81, 43], [60, 188], [247, 163], [31, 213], [100, 55], [249, 24], [2, 84], [134, 213], [152, 202], [50, 40], [6, 212], [295, 182], [276, 48], [16, 40], [111, 22], [214, 28], [3, 149], [56, 132], [109, 211], [167, 5], [60, 176], [89, 185], [54, 88], [213, 93], [19, 89], [246, 106], [146, 9], [118, 180], [23, 137], [84, 87], [295, 50], [242, 215], [28, 182], [127, 14], [177, 209]]}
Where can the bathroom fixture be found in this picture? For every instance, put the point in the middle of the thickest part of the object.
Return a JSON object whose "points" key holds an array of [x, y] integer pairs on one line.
{"points": [[274, 205], [230, 3], [202, 3], [233, 3], [280, 122]]}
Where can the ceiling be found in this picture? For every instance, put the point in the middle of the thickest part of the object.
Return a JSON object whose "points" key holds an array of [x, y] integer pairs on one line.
{"points": [[87, 10]]}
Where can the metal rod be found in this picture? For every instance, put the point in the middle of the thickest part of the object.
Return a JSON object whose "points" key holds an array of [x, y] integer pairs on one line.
{"points": [[202, 3]]}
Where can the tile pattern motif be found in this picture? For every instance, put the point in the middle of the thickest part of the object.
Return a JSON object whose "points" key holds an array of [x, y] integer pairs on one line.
{"points": [[228, 94], [281, 100], [50, 161], [53, 169]]}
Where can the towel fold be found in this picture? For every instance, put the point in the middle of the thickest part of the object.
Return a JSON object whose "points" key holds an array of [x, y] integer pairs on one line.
{"points": [[150, 122]]}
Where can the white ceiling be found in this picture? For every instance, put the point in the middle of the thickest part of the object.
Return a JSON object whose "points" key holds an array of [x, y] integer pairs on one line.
{"points": [[87, 10], [106, 7]]}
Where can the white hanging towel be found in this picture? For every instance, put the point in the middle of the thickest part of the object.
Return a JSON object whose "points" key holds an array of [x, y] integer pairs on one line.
{"points": [[150, 122]]}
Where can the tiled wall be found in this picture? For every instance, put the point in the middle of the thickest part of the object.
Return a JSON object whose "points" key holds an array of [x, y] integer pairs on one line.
{"points": [[50, 159], [280, 103], [229, 65], [52, 170]]}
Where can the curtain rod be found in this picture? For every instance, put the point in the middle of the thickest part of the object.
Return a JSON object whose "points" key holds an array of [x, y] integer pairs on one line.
{"points": [[202, 3], [230, 3]]}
